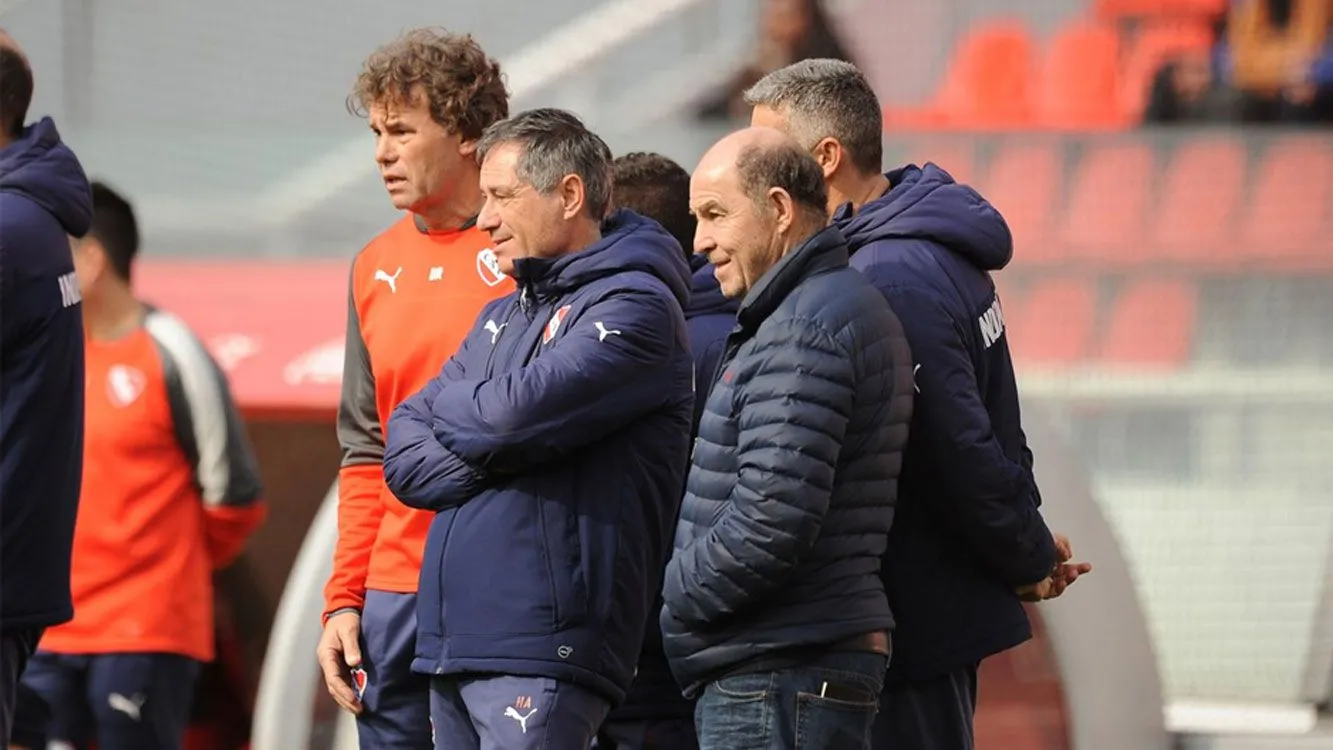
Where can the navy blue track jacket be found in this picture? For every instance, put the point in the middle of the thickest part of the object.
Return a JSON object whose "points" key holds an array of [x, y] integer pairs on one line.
{"points": [[44, 198], [553, 448], [968, 529]]}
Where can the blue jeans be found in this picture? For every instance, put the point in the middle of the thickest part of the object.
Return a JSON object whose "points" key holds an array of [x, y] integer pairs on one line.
{"points": [[826, 704]]}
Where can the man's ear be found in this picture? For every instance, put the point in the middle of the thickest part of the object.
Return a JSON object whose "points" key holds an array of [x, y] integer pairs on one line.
{"points": [[468, 148], [830, 155], [783, 208], [573, 195]]}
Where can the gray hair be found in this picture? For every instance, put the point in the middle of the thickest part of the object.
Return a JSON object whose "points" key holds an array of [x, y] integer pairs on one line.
{"points": [[555, 143], [826, 99], [765, 166]]}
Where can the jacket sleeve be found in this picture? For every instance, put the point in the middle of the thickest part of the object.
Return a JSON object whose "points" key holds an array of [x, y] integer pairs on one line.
{"points": [[987, 498], [611, 366], [792, 418], [209, 431], [420, 471], [360, 477]]}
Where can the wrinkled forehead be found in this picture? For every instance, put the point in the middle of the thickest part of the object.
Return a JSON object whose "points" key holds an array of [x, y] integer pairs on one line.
{"points": [[392, 103], [499, 168]]}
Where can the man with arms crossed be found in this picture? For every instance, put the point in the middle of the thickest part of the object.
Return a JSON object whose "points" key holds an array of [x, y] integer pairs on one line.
{"points": [[414, 292], [44, 198], [969, 541], [655, 716], [775, 614], [553, 448]]}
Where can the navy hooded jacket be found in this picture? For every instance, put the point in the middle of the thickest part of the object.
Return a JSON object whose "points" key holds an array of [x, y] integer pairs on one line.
{"points": [[709, 318], [553, 448], [44, 198], [792, 485], [968, 529]]}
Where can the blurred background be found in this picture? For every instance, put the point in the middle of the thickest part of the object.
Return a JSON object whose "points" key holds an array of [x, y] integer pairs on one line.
{"points": [[1166, 167]]}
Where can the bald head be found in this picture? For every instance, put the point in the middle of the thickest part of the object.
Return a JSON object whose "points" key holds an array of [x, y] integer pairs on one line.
{"points": [[763, 159], [15, 87], [757, 195]]}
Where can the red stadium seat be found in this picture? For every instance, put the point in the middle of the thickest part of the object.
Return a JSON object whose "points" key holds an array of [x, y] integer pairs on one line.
{"points": [[1079, 80], [1291, 201], [1052, 324], [1105, 218], [1151, 325], [1024, 183], [953, 155], [988, 84], [1201, 194]]}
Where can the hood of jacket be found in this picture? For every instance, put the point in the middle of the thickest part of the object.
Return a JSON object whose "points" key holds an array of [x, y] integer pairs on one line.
{"points": [[629, 242], [925, 203], [40, 167]]}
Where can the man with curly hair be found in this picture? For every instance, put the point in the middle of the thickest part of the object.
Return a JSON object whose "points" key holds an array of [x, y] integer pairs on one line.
{"points": [[414, 293]]}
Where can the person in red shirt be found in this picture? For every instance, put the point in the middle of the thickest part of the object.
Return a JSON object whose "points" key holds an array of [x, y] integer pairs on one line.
{"points": [[415, 292], [170, 494]]}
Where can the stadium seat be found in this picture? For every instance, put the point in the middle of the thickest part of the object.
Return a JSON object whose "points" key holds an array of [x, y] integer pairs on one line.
{"points": [[1151, 325], [987, 85], [1287, 224], [1201, 191], [1079, 79], [1114, 10], [1024, 182], [1052, 324], [953, 155], [1104, 221], [1150, 48]]}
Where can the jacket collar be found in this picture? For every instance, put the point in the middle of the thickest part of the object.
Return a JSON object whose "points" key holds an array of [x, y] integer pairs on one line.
{"points": [[824, 251]]}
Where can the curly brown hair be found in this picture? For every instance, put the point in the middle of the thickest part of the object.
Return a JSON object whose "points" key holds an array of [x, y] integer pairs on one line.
{"points": [[464, 88]]}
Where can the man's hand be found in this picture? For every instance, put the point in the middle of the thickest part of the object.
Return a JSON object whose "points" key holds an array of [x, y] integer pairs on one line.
{"points": [[339, 652], [1062, 576]]}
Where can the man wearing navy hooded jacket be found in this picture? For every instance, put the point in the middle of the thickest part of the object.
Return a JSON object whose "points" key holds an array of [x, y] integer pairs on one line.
{"points": [[968, 544], [553, 449], [44, 199]]}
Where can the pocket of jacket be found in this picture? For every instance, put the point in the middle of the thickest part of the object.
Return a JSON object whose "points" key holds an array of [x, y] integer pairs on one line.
{"points": [[564, 562], [495, 578]]}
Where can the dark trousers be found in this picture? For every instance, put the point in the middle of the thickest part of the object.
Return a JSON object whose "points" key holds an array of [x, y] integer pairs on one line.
{"points": [[825, 704], [509, 712], [933, 714], [16, 646], [123, 701], [395, 701]]}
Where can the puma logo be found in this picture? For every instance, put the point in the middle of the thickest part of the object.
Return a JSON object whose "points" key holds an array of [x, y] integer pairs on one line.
{"points": [[131, 707], [495, 329], [522, 719], [392, 281], [603, 332]]}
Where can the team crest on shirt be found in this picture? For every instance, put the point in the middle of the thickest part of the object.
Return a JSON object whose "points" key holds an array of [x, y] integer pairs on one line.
{"points": [[553, 325], [359, 678], [488, 267], [124, 385]]}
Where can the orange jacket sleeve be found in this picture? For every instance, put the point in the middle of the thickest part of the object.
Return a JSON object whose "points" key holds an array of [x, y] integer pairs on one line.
{"points": [[361, 477], [226, 529]]}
